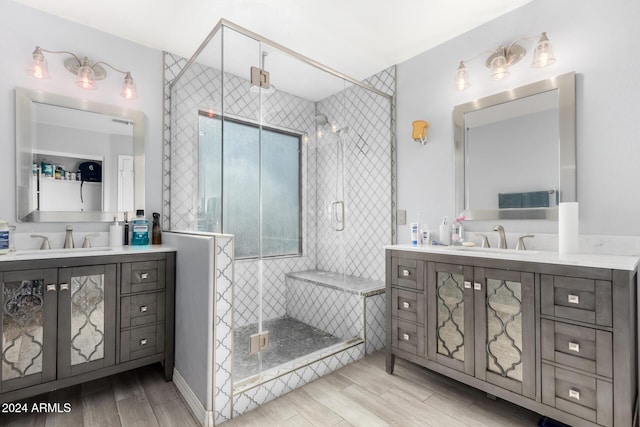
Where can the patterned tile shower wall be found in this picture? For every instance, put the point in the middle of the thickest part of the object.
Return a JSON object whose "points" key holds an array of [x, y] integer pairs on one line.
{"points": [[368, 144]]}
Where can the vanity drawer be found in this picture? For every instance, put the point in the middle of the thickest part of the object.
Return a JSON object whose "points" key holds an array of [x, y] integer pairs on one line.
{"points": [[408, 305], [408, 337], [584, 300], [581, 395], [142, 276], [141, 342], [142, 309], [587, 349], [408, 273]]}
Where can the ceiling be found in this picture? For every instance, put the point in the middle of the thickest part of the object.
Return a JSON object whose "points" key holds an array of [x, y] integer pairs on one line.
{"points": [[356, 37]]}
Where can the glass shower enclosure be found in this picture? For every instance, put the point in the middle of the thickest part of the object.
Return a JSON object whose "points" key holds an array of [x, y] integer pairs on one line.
{"points": [[282, 152]]}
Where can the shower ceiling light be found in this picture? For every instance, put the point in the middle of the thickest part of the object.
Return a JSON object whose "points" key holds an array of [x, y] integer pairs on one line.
{"points": [[502, 58], [87, 72]]}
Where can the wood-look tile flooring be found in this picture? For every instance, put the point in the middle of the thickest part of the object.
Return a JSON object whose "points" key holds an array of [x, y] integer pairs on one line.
{"points": [[140, 398], [362, 394]]}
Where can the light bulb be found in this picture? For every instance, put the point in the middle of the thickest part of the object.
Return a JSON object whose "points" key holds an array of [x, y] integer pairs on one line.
{"points": [[461, 80]]}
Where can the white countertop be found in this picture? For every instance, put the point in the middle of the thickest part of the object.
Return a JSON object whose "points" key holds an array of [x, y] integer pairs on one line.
{"points": [[31, 254], [617, 262]]}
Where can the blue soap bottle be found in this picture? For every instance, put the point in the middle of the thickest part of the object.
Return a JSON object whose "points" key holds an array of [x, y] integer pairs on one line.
{"points": [[140, 229]]}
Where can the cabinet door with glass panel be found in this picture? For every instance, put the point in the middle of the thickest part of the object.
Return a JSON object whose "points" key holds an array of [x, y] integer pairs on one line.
{"points": [[481, 322], [28, 324], [86, 319], [450, 333], [505, 329]]}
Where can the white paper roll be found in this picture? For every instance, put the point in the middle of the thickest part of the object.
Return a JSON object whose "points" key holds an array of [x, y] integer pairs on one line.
{"points": [[568, 228]]}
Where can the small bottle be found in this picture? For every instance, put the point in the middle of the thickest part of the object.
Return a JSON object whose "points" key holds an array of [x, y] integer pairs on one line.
{"points": [[456, 232], [115, 234], [156, 236], [126, 229], [425, 234], [4, 237], [140, 234], [445, 236]]}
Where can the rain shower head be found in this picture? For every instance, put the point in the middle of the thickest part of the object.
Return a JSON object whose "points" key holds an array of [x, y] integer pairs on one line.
{"points": [[321, 119]]}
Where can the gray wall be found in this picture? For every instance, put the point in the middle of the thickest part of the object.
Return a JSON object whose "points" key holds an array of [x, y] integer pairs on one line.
{"points": [[596, 39], [21, 30]]}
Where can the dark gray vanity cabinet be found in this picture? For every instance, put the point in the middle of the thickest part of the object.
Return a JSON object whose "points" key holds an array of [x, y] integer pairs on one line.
{"points": [[557, 339], [77, 319]]}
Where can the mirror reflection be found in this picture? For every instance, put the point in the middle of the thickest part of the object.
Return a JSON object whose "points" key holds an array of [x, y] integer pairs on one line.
{"points": [[515, 152], [76, 164]]}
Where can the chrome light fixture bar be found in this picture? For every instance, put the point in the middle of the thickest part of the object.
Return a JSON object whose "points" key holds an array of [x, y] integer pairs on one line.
{"points": [[86, 72], [502, 58]]}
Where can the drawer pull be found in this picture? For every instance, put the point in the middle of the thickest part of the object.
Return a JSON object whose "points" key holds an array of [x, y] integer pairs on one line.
{"points": [[573, 299], [64, 286], [406, 273], [477, 286], [143, 342], [405, 304], [405, 337], [144, 276], [574, 346], [143, 309], [574, 394], [467, 284], [51, 288]]}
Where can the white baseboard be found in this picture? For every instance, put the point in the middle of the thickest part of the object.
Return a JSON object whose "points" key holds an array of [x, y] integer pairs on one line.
{"points": [[204, 417]]}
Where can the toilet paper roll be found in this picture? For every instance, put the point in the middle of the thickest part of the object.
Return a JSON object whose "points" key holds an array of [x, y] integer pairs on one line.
{"points": [[568, 228]]}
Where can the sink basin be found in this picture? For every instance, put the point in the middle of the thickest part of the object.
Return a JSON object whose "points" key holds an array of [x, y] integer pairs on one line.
{"points": [[53, 252], [496, 251]]}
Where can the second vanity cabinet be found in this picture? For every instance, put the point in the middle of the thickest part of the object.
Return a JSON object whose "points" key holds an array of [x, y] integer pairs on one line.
{"points": [[557, 339], [79, 318]]}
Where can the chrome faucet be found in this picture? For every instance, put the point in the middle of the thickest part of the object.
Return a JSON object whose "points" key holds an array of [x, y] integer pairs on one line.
{"points": [[502, 240], [485, 240], [520, 246], [45, 241], [68, 240]]}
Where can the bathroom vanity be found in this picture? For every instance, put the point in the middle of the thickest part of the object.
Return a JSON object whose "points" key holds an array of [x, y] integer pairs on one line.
{"points": [[71, 316], [554, 334]]}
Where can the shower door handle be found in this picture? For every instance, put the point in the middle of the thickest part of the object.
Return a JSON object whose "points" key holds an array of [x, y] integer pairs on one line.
{"points": [[337, 224]]}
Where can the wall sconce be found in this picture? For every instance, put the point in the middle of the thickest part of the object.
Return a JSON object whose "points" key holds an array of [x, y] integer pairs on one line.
{"points": [[501, 59], [419, 133], [87, 72]]}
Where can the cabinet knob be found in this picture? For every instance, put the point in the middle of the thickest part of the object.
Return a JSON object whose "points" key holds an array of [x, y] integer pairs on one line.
{"points": [[64, 286], [144, 276], [405, 337], [51, 287], [467, 284], [143, 309], [143, 342], [573, 299], [574, 394], [405, 304], [574, 346], [477, 286], [406, 273]]}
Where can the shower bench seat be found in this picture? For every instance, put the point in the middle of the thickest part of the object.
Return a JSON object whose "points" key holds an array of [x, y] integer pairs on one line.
{"points": [[341, 305]]}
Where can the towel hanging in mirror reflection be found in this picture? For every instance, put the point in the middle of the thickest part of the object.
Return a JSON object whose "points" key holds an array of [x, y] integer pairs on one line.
{"points": [[419, 133]]}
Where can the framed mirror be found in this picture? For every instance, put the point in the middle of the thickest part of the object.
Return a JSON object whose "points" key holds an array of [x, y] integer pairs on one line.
{"points": [[515, 152], [76, 160]]}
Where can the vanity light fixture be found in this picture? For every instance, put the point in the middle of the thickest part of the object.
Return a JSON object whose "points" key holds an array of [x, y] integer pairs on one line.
{"points": [[501, 59], [86, 72], [419, 133]]}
